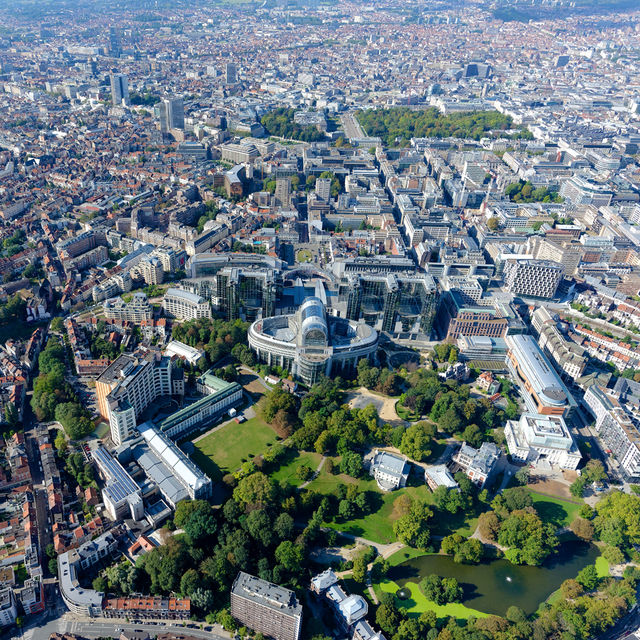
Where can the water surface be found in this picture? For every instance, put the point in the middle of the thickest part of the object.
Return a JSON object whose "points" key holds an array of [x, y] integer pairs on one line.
{"points": [[495, 585]]}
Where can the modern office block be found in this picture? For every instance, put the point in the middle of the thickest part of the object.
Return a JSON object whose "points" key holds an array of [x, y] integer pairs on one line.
{"points": [[310, 343], [130, 384], [539, 440], [534, 278], [119, 89], [543, 390], [185, 305], [266, 608]]}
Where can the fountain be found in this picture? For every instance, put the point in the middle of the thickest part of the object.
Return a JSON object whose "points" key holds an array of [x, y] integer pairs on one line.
{"points": [[509, 578]]}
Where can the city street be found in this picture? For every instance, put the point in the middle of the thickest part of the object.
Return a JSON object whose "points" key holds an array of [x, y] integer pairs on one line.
{"points": [[109, 628]]}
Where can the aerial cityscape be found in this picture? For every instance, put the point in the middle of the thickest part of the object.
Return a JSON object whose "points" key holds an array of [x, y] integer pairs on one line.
{"points": [[319, 320]]}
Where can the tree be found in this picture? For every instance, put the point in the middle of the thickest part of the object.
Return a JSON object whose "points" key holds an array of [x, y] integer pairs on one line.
{"points": [[412, 528], [259, 526], [60, 442], [582, 528], [617, 520], [351, 464], [57, 324], [201, 524], [304, 472], [283, 526], [529, 540], [472, 434], [388, 617], [255, 489], [441, 590], [289, 555], [588, 577], [509, 500], [515, 614], [243, 354], [202, 599], [571, 589], [189, 582], [416, 440], [447, 499], [359, 569], [11, 414], [613, 555], [493, 223], [100, 584]]}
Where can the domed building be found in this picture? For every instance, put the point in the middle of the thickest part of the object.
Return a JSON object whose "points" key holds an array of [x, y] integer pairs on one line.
{"points": [[311, 343]]}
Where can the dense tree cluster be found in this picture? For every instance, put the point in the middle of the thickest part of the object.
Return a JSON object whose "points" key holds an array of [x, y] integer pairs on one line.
{"points": [[396, 126], [279, 122], [514, 524], [382, 380], [524, 191], [216, 337], [441, 590], [464, 550], [13, 309], [451, 407], [54, 398]]}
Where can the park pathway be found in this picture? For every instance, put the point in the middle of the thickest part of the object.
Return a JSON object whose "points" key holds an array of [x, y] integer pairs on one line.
{"points": [[314, 475]]}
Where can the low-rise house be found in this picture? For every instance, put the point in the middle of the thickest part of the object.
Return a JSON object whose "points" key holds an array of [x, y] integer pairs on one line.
{"points": [[478, 464], [390, 471], [439, 476]]}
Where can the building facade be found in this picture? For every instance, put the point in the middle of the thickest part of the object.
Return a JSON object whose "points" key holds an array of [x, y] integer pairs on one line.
{"points": [[266, 608], [185, 305], [310, 343], [130, 384], [539, 440], [534, 278]]}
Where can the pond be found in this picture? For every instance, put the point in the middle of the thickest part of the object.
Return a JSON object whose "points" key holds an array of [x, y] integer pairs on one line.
{"points": [[495, 585]]}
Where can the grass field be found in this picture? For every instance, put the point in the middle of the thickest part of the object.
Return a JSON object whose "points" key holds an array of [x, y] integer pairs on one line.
{"points": [[225, 450], [602, 567], [296, 459], [304, 255], [418, 603], [378, 525], [405, 413], [555, 510]]}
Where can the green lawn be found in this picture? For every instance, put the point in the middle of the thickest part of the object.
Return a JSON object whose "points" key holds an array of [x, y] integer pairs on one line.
{"points": [[225, 450], [602, 567], [378, 525], [296, 459], [418, 603], [406, 414], [555, 510], [403, 555], [304, 255]]}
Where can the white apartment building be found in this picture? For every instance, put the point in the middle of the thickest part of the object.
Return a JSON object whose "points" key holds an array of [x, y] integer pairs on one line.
{"points": [[567, 355], [185, 305], [136, 310], [120, 283], [129, 385], [616, 428], [536, 278], [8, 609], [539, 439]]}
